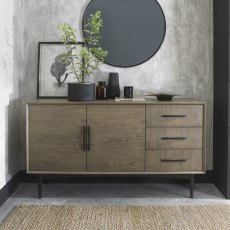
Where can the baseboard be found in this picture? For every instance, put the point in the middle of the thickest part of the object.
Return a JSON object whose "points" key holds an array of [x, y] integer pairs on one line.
{"points": [[23, 177], [10, 187], [200, 178], [208, 177]]}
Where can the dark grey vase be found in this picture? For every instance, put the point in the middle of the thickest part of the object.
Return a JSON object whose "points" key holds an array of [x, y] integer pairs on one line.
{"points": [[113, 86], [81, 91]]}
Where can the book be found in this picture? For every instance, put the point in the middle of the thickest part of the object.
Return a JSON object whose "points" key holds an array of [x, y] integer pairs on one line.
{"points": [[137, 99]]}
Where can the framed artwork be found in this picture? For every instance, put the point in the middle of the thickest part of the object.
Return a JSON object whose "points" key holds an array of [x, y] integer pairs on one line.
{"points": [[53, 76]]}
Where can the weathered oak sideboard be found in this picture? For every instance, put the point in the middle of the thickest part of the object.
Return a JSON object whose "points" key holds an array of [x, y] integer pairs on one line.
{"points": [[107, 137]]}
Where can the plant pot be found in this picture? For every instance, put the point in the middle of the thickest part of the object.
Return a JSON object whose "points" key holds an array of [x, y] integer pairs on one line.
{"points": [[81, 91]]}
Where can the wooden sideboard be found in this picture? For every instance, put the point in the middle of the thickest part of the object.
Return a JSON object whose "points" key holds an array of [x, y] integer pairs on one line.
{"points": [[107, 137]]}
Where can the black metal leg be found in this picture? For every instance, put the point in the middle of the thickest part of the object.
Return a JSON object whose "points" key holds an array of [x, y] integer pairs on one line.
{"points": [[40, 186], [191, 185]]}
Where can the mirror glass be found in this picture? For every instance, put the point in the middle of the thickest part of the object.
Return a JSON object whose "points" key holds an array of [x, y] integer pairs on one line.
{"points": [[133, 30]]}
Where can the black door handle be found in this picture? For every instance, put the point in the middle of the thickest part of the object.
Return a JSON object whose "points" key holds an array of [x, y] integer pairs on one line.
{"points": [[88, 138], [84, 138]]}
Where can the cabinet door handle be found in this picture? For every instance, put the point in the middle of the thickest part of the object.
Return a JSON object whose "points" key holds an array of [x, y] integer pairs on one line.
{"points": [[84, 138], [88, 138], [173, 115], [168, 160], [173, 138]]}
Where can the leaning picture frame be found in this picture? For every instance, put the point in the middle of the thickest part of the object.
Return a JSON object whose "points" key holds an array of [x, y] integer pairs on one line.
{"points": [[52, 77]]}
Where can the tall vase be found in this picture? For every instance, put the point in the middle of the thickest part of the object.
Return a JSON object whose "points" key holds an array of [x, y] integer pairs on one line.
{"points": [[113, 86]]}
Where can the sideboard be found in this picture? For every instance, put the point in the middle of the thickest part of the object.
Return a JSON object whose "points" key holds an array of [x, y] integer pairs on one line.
{"points": [[108, 137]]}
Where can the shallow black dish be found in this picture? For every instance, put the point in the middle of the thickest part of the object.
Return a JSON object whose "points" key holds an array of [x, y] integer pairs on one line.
{"points": [[164, 96]]}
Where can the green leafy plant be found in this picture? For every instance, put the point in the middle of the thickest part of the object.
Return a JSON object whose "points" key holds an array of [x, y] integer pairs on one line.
{"points": [[83, 60]]}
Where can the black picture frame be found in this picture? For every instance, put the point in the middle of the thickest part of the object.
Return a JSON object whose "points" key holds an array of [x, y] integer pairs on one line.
{"points": [[47, 59]]}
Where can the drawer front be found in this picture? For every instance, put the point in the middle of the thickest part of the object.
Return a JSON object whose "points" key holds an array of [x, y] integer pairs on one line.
{"points": [[173, 160], [173, 138], [174, 115]]}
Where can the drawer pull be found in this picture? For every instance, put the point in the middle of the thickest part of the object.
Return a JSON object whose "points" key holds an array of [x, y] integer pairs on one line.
{"points": [[173, 115], [168, 160], [173, 138]]}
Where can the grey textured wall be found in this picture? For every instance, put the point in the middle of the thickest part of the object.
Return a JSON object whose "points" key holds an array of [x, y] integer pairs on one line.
{"points": [[184, 64]]}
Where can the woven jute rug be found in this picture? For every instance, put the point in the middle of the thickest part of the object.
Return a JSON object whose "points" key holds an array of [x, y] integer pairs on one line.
{"points": [[103, 217]]}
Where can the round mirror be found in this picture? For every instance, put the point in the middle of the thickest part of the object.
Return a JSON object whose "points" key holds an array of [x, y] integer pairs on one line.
{"points": [[133, 30]]}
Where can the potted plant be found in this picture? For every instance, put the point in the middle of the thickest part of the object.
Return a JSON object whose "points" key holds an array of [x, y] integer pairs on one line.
{"points": [[82, 60]]}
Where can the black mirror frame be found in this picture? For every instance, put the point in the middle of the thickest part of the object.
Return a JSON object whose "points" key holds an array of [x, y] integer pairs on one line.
{"points": [[145, 59]]}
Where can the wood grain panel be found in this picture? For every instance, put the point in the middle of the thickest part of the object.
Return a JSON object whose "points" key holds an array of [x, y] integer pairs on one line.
{"points": [[55, 138], [174, 115], [173, 138], [173, 160], [117, 138]]}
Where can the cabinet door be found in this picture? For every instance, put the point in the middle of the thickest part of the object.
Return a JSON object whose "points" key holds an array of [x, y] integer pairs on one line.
{"points": [[117, 138], [55, 138]]}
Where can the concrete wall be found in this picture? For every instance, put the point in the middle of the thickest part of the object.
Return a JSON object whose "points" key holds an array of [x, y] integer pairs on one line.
{"points": [[9, 95], [184, 64]]}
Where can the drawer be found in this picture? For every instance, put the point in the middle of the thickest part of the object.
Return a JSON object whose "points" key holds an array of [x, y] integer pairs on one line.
{"points": [[174, 115], [174, 138], [173, 160]]}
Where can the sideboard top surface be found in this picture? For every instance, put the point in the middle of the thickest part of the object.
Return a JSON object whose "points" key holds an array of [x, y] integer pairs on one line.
{"points": [[175, 101]]}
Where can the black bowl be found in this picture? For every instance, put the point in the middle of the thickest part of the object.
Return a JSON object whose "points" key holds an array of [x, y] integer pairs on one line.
{"points": [[164, 97]]}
